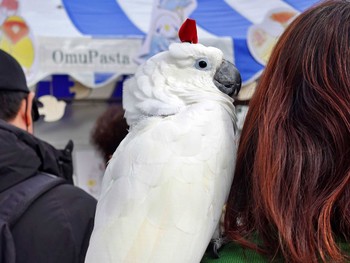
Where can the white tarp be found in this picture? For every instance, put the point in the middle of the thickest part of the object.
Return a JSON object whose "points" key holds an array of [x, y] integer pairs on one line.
{"points": [[27, 26]]}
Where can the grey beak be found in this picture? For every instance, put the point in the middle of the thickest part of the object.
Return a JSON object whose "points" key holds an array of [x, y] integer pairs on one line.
{"points": [[228, 79]]}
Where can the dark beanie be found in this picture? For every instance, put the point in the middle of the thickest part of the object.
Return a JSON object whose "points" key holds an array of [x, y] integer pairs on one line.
{"points": [[12, 77]]}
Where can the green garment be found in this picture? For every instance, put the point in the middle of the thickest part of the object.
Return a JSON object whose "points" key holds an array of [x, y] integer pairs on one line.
{"points": [[234, 253]]}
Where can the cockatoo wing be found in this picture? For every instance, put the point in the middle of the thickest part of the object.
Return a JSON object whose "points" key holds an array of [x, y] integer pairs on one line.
{"points": [[164, 188]]}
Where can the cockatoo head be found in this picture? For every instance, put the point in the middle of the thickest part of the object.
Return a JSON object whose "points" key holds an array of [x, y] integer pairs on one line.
{"points": [[171, 80]]}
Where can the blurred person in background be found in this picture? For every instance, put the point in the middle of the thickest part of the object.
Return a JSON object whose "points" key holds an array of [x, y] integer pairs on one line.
{"points": [[109, 130]]}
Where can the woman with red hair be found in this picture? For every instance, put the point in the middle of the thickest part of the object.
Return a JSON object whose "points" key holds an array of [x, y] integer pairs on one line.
{"points": [[290, 197]]}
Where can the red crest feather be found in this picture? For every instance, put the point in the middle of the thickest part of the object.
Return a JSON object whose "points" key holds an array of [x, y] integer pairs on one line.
{"points": [[188, 31]]}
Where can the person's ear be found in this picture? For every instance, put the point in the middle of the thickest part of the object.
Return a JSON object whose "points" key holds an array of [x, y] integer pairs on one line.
{"points": [[23, 118], [28, 113]]}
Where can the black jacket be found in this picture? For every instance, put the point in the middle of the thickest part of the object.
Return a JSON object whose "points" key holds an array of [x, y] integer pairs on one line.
{"points": [[56, 228]]}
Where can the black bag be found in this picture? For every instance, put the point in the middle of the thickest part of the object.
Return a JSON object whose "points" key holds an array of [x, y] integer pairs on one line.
{"points": [[13, 204]]}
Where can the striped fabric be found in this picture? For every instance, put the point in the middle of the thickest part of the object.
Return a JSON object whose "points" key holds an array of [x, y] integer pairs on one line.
{"points": [[130, 18]]}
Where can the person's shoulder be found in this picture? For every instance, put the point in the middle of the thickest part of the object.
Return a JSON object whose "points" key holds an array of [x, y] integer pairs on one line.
{"points": [[234, 253], [60, 222], [64, 201], [71, 195], [62, 206], [73, 190]]}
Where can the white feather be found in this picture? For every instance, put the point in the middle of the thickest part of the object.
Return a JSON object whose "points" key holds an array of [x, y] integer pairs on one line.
{"points": [[166, 184]]}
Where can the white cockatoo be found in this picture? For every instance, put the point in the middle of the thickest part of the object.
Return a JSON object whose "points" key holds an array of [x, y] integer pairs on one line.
{"points": [[165, 186]]}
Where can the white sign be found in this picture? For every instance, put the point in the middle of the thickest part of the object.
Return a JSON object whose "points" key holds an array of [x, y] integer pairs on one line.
{"points": [[79, 57]]}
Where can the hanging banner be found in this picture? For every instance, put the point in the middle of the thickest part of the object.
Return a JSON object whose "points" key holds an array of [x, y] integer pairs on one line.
{"points": [[80, 56], [262, 37], [84, 58], [16, 37], [167, 17]]}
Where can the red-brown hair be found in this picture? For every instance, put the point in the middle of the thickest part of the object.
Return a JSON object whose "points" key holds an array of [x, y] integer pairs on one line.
{"points": [[292, 178]]}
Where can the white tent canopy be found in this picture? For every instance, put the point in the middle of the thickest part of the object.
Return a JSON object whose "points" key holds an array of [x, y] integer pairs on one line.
{"points": [[96, 41]]}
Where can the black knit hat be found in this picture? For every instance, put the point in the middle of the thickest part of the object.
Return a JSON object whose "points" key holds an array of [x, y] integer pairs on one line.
{"points": [[12, 78]]}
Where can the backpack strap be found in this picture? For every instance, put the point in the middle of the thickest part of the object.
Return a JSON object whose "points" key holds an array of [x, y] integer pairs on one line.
{"points": [[14, 201]]}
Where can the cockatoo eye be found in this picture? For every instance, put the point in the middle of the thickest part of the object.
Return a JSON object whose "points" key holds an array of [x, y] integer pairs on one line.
{"points": [[202, 64]]}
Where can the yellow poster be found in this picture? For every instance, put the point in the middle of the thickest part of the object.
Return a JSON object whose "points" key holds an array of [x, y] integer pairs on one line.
{"points": [[15, 36]]}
